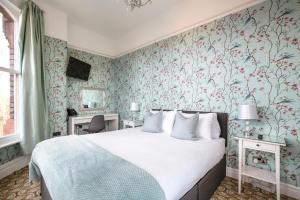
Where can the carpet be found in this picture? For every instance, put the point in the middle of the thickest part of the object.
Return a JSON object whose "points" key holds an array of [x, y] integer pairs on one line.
{"points": [[17, 187]]}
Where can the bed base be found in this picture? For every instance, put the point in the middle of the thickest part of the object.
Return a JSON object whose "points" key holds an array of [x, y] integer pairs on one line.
{"points": [[203, 190], [206, 187]]}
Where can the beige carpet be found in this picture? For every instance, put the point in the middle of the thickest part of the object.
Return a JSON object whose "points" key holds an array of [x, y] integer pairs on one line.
{"points": [[16, 186]]}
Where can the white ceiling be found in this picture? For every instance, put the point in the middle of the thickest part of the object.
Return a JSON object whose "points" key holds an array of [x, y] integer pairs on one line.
{"points": [[109, 18]]}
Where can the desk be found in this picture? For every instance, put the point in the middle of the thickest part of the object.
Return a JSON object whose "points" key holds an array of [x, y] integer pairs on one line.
{"points": [[112, 122]]}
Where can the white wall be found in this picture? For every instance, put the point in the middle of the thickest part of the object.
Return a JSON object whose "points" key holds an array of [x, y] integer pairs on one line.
{"points": [[58, 26], [56, 21], [86, 40]]}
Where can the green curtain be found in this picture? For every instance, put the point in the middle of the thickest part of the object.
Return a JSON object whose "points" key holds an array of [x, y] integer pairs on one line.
{"points": [[33, 105]]}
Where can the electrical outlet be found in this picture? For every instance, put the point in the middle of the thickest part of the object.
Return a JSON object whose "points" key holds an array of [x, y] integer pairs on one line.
{"points": [[259, 160], [55, 134]]}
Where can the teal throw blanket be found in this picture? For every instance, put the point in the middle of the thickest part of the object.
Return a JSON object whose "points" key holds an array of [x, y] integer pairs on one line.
{"points": [[76, 169]]}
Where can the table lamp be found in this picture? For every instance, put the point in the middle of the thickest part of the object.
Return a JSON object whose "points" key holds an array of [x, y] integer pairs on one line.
{"points": [[134, 107], [247, 113]]}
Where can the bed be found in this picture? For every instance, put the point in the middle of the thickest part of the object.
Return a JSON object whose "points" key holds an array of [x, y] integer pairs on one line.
{"points": [[183, 176]]}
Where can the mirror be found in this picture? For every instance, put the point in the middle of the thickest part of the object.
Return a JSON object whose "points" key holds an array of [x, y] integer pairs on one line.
{"points": [[92, 99]]}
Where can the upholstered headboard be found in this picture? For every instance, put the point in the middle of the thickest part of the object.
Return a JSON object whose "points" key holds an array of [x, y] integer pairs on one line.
{"points": [[222, 119]]}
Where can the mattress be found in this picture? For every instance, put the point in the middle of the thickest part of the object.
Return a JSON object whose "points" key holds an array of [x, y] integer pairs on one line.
{"points": [[177, 165]]}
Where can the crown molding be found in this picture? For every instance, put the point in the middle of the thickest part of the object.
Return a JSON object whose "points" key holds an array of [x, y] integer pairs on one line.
{"points": [[115, 55], [250, 3], [91, 51]]}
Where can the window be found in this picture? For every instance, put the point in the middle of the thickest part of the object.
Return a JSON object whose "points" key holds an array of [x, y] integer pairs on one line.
{"points": [[9, 76]]}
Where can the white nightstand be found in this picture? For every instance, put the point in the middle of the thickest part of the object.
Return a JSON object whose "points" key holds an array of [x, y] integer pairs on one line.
{"points": [[132, 124], [267, 144]]}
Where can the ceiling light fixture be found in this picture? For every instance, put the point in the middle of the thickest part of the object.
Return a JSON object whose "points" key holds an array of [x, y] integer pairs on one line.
{"points": [[132, 4]]}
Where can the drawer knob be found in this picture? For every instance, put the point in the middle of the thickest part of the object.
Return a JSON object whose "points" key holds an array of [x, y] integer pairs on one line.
{"points": [[257, 145]]}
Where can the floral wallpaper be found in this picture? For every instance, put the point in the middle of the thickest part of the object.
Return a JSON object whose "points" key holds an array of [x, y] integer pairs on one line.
{"points": [[101, 76], [64, 92], [56, 81], [9, 153], [252, 56]]}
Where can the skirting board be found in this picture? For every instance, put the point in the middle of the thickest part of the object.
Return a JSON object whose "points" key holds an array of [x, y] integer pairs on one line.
{"points": [[14, 165], [286, 189]]}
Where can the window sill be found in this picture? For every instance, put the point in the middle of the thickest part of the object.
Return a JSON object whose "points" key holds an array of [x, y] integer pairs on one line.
{"points": [[9, 140]]}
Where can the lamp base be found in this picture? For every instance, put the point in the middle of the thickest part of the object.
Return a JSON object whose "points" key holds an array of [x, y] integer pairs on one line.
{"points": [[247, 134], [133, 116]]}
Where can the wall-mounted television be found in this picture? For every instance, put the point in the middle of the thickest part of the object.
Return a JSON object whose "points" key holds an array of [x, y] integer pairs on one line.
{"points": [[78, 69]]}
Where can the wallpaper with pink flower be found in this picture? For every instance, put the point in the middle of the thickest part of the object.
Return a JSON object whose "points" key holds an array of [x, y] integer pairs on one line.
{"points": [[9, 153], [252, 56], [56, 84], [101, 76]]}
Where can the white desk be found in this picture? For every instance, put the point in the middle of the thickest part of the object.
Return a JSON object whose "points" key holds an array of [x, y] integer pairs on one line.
{"points": [[111, 125]]}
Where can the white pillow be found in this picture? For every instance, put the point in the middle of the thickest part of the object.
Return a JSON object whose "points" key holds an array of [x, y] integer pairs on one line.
{"points": [[168, 120], [208, 125]]}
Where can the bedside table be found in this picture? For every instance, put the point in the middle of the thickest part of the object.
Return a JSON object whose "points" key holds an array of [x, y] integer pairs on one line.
{"points": [[132, 124], [267, 144]]}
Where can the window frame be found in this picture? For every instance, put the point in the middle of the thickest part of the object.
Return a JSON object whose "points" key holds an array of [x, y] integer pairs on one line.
{"points": [[14, 138]]}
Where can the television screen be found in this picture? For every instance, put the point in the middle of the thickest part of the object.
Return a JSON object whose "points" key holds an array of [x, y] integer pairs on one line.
{"points": [[78, 69]]}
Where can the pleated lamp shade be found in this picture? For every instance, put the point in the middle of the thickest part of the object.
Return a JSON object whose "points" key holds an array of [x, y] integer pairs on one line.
{"points": [[134, 107], [247, 112]]}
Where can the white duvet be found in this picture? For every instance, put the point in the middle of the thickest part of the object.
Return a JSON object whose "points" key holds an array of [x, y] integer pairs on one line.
{"points": [[177, 165]]}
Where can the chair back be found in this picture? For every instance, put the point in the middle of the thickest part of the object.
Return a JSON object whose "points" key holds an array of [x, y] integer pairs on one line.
{"points": [[97, 124]]}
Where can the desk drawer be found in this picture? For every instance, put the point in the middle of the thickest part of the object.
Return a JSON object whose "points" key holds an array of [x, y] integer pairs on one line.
{"points": [[82, 121], [259, 146], [110, 117]]}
